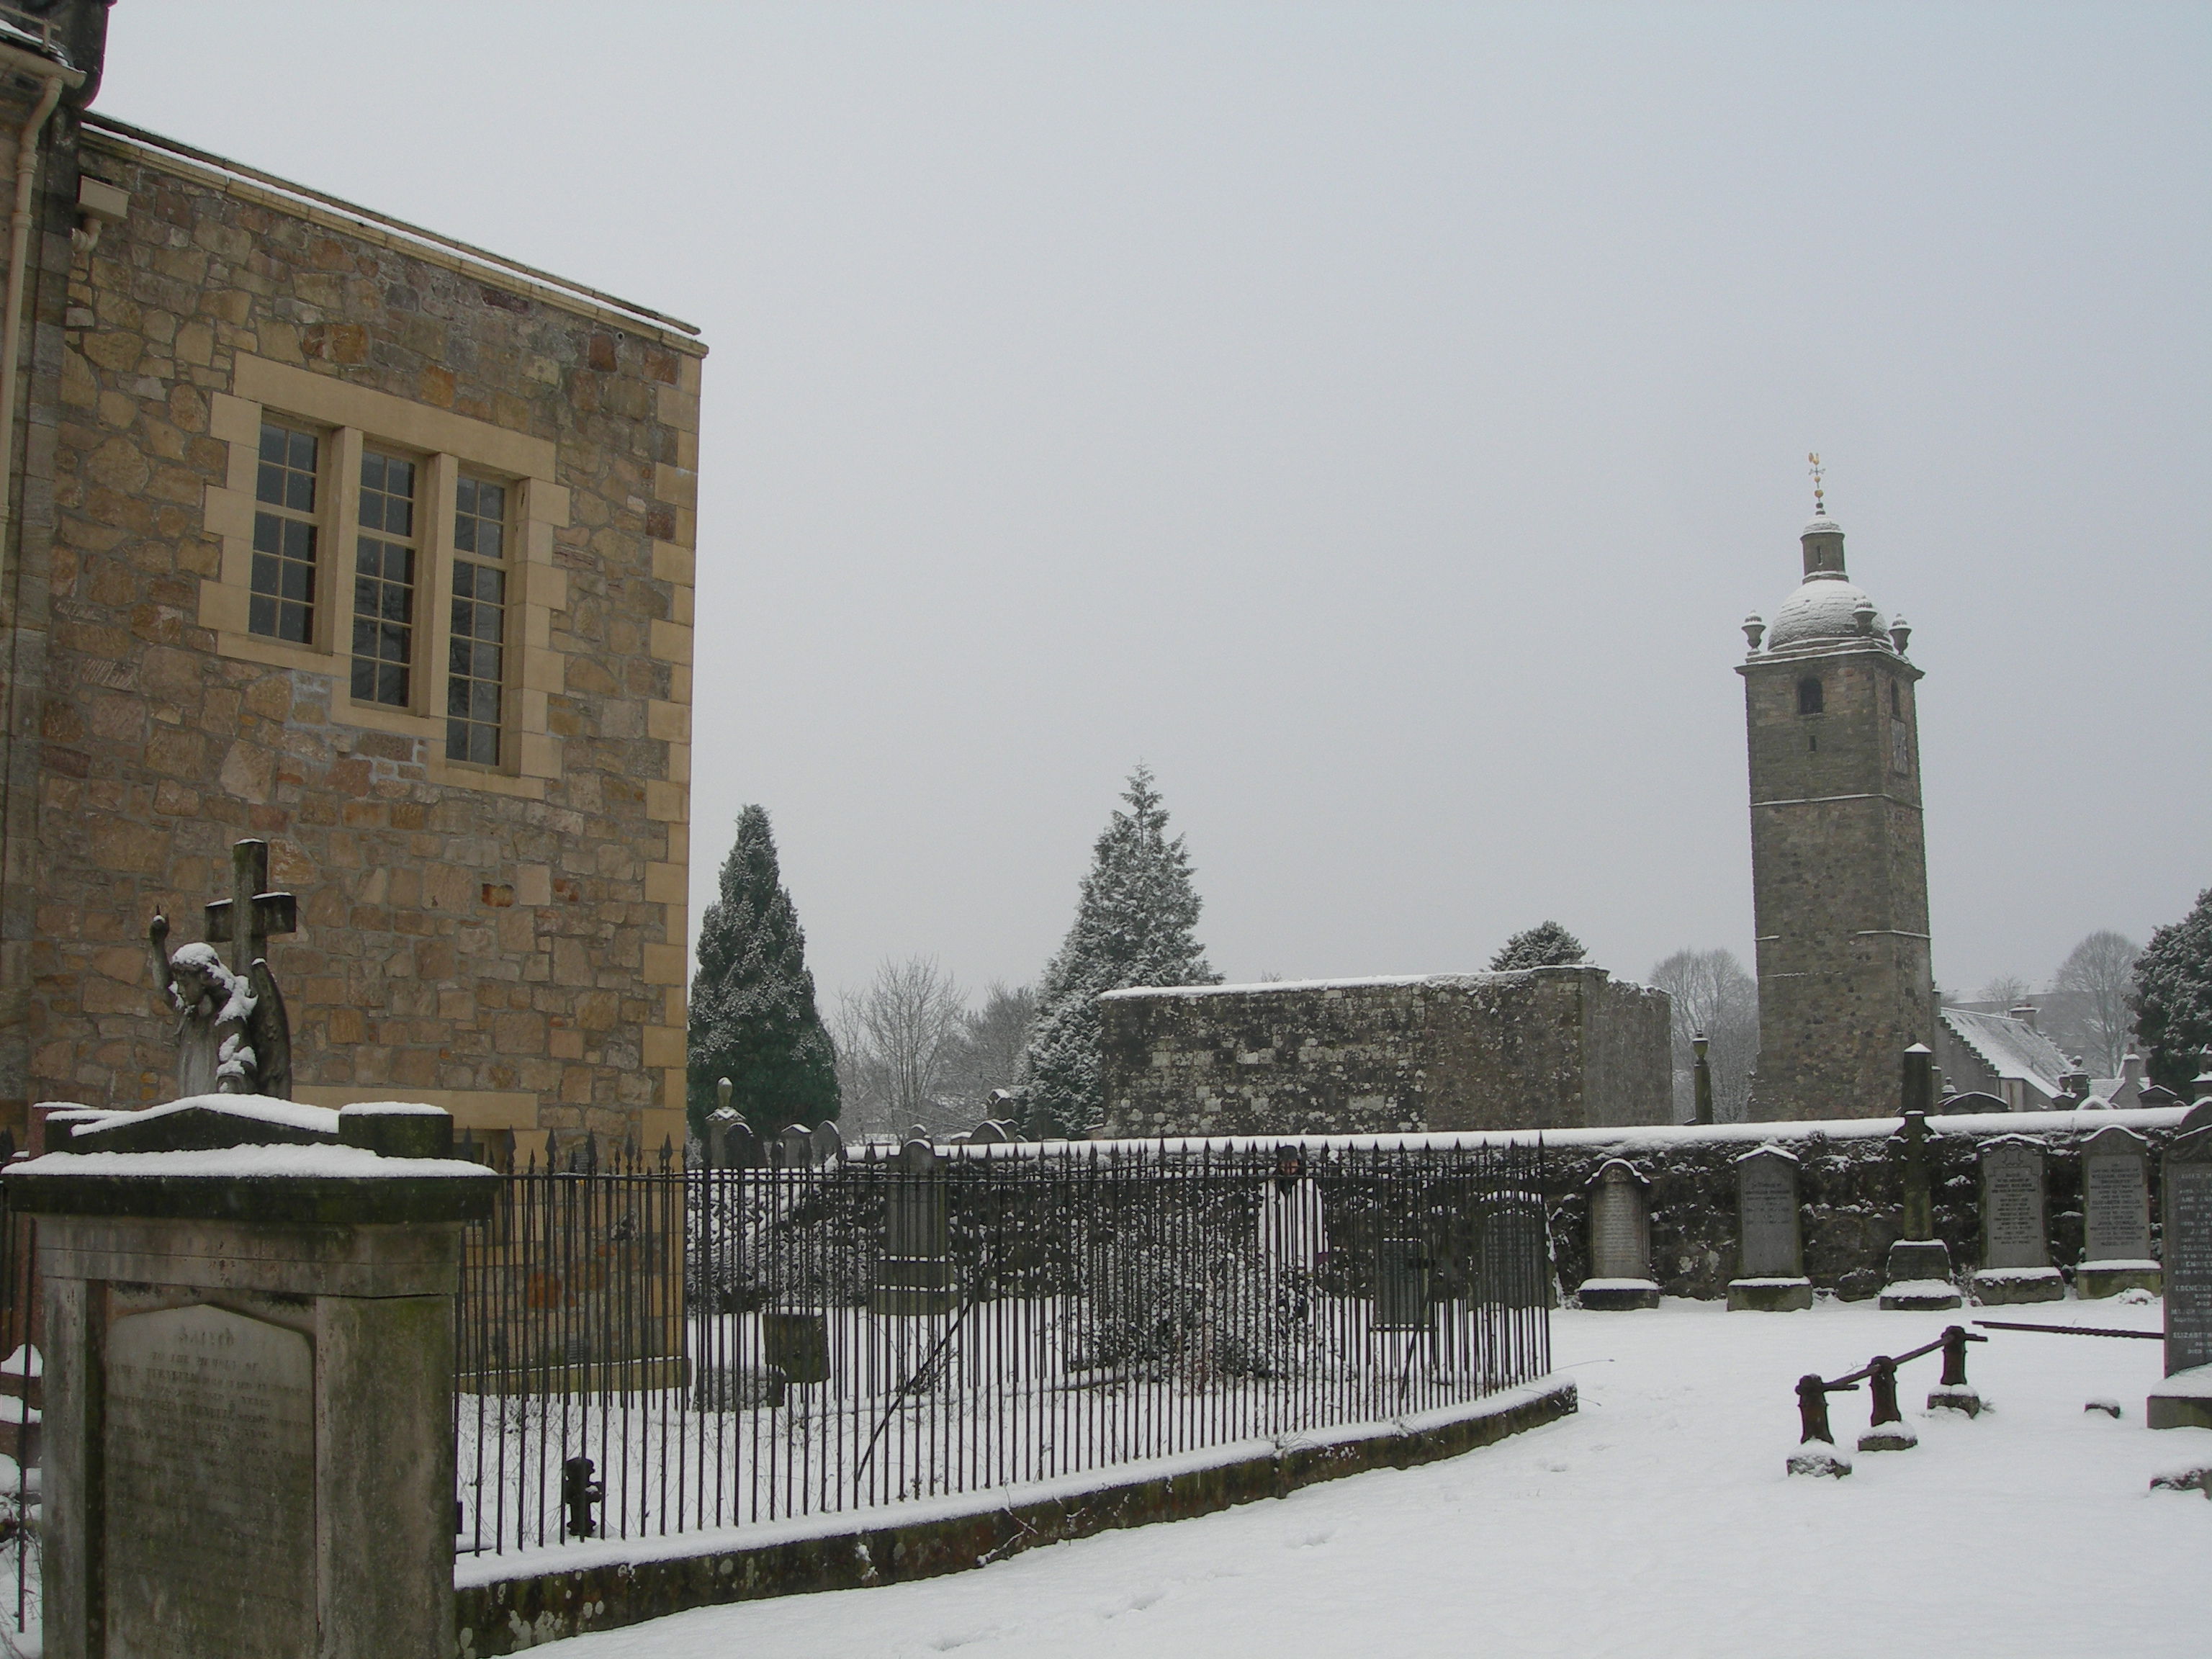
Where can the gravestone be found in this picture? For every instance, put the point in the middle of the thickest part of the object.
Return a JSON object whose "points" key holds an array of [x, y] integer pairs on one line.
{"points": [[731, 1142], [1770, 1236], [1517, 1254], [828, 1144], [2184, 1398], [1620, 1240], [795, 1149], [2116, 1216], [914, 1273], [1917, 1270], [989, 1133], [248, 1376], [2015, 1231], [1403, 1301]]}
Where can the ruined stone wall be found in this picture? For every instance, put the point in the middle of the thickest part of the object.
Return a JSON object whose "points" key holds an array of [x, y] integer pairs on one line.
{"points": [[1545, 1047], [507, 941]]}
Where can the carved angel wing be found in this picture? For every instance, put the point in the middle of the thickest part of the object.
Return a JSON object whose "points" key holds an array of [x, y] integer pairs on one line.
{"points": [[269, 1029]]}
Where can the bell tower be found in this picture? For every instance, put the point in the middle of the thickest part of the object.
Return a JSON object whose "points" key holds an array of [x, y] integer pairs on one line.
{"points": [[1840, 872]]}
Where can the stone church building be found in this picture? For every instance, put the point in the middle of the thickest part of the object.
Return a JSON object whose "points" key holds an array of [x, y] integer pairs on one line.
{"points": [[1839, 871], [329, 530]]}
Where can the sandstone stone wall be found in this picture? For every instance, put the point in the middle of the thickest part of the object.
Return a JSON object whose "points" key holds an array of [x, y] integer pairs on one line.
{"points": [[1543, 1049], [509, 943]]}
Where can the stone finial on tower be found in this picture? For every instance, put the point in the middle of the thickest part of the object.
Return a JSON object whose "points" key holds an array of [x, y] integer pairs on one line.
{"points": [[1754, 626], [1900, 631]]}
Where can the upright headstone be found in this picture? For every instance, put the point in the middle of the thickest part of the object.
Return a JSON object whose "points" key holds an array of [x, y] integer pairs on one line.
{"points": [[2016, 1228], [2116, 1215], [987, 1133], [2184, 1398], [1770, 1235], [828, 1144], [1918, 1267], [1702, 1080], [914, 1273], [248, 1383], [1620, 1239], [797, 1148], [1516, 1270]]}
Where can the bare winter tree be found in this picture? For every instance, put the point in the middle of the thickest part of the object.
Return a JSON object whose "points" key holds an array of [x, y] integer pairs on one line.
{"points": [[2005, 990], [1712, 994], [895, 1043], [988, 1053], [2088, 1011]]}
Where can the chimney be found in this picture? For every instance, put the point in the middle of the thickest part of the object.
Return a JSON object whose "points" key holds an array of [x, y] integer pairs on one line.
{"points": [[2025, 1013]]}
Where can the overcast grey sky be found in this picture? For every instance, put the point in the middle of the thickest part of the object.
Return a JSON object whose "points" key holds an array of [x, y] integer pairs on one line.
{"points": [[1376, 417]]}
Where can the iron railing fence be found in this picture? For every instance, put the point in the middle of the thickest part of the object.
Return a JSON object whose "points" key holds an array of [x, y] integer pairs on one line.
{"points": [[20, 1398], [645, 1350]]}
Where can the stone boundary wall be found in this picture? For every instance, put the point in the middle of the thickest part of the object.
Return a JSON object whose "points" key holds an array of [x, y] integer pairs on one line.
{"points": [[1850, 1186], [506, 1615], [1851, 1192]]}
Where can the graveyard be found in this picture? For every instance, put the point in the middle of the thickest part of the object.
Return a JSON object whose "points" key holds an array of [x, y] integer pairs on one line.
{"points": [[437, 1222], [1658, 1520]]}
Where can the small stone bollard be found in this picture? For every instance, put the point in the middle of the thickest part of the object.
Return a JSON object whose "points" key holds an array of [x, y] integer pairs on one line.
{"points": [[1954, 1392], [1816, 1452], [1885, 1429]]}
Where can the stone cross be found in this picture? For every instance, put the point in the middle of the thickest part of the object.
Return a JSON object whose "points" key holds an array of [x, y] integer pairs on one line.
{"points": [[265, 913]]}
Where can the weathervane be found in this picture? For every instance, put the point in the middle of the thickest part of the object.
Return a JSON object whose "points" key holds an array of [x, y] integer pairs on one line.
{"points": [[1820, 509]]}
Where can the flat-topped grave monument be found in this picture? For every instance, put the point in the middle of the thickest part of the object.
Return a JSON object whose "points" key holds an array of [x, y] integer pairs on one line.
{"points": [[2015, 1229], [2184, 1398], [249, 1379], [2116, 1216], [1770, 1235]]}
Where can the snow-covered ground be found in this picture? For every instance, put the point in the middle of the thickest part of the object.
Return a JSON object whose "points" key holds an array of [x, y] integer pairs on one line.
{"points": [[1657, 1523]]}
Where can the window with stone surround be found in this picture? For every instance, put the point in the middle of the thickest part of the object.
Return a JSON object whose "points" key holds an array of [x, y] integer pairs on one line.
{"points": [[441, 525], [384, 580], [1811, 699], [476, 671], [285, 531]]}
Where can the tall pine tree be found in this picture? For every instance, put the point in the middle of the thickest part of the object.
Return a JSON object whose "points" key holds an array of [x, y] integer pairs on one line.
{"points": [[2173, 999], [753, 1017], [1132, 926]]}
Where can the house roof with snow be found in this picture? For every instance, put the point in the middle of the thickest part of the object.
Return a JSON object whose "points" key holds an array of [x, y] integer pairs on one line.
{"points": [[2012, 1048]]}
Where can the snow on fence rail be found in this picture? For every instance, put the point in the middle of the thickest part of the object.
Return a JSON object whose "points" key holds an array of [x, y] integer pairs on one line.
{"points": [[648, 1350]]}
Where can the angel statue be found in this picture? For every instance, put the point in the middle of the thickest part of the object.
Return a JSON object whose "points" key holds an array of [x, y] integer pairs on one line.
{"points": [[232, 1035]]}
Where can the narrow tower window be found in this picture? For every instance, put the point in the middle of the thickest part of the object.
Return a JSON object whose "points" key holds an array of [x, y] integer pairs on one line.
{"points": [[1809, 698]]}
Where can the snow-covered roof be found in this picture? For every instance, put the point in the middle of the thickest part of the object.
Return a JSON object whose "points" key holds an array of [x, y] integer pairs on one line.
{"points": [[1824, 607], [1822, 527], [1361, 983], [2011, 1047]]}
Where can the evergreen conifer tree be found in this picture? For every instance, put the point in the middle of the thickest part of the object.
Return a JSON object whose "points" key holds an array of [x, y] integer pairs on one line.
{"points": [[753, 1016], [1133, 926], [2173, 999], [1546, 944]]}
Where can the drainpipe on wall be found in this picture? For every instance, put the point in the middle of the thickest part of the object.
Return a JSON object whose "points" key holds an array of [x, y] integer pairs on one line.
{"points": [[54, 77]]}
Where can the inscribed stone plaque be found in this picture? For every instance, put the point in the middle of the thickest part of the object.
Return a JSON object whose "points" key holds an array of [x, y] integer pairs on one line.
{"points": [[1771, 1243], [210, 1488], [1621, 1228], [2115, 1197], [2188, 1259], [1517, 1256], [2013, 1231]]}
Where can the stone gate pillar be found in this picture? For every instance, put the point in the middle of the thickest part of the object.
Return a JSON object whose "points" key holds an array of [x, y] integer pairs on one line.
{"points": [[249, 1380]]}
